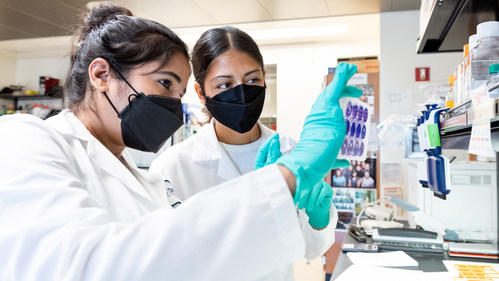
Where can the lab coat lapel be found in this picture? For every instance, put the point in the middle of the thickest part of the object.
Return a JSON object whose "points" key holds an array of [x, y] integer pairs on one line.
{"points": [[68, 124], [113, 166], [208, 151], [227, 169]]}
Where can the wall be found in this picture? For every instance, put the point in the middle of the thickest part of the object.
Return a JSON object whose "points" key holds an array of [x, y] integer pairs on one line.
{"points": [[29, 70], [398, 59], [7, 71], [300, 75], [399, 92]]}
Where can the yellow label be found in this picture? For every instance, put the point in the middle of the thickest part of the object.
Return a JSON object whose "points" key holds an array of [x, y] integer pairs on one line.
{"points": [[449, 103]]}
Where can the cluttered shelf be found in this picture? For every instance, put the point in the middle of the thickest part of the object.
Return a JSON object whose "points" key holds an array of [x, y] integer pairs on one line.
{"points": [[457, 123], [22, 97]]}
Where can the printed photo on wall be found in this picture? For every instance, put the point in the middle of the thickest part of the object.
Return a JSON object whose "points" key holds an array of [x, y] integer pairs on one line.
{"points": [[362, 197], [360, 174], [344, 218], [352, 199], [344, 199]]}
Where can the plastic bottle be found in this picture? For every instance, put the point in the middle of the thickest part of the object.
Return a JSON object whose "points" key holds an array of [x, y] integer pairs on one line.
{"points": [[493, 82], [485, 54], [472, 43], [458, 87], [449, 99], [36, 110], [10, 110]]}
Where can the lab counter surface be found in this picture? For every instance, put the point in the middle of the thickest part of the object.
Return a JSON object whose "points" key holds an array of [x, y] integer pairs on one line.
{"points": [[427, 262]]}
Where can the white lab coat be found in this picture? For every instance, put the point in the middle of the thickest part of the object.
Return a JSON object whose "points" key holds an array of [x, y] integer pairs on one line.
{"points": [[70, 210], [190, 167]]}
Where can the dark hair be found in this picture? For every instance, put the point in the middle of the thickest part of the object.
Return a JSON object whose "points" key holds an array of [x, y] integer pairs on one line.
{"points": [[215, 42], [113, 33]]}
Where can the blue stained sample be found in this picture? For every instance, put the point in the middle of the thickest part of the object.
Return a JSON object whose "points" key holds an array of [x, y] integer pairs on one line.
{"points": [[352, 129], [349, 110], [361, 149], [344, 147], [358, 131], [348, 127], [363, 134], [354, 111], [356, 149], [366, 114], [361, 113], [350, 148]]}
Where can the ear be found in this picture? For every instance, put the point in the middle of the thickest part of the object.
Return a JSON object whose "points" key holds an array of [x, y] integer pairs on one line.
{"points": [[98, 73], [199, 92]]}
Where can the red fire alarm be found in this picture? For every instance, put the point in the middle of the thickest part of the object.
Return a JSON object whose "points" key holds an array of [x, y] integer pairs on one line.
{"points": [[422, 74]]}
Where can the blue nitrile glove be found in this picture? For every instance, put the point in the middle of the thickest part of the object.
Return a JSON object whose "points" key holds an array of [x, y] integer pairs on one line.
{"points": [[268, 152], [322, 136], [317, 207]]}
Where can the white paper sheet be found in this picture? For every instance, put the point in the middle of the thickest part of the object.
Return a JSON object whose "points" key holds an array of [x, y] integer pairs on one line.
{"points": [[371, 273], [386, 259], [481, 140]]}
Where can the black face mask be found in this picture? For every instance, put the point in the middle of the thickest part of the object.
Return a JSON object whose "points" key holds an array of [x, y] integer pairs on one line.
{"points": [[148, 121], [238, 108]]}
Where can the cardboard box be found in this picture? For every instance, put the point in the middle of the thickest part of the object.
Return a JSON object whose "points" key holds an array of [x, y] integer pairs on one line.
{"points": [[364, 64]]}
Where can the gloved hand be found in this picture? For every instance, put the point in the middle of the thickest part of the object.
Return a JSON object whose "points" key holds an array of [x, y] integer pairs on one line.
{"points": [[322, 135], [317, 207], [268, 152]]}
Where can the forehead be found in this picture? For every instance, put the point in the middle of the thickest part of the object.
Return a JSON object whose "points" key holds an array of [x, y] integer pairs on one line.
{"points": [[177, 63], [232, 60]]}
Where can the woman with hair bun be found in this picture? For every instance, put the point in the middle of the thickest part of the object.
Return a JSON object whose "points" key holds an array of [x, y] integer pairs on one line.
{"points": [[73, 205]]}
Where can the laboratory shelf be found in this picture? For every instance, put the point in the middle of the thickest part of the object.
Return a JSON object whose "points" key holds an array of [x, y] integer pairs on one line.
{"points": [[458, 137], [17, 98]]}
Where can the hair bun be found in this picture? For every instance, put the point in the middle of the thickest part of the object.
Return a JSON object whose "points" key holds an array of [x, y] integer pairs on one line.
{"points": [[99, 15]]}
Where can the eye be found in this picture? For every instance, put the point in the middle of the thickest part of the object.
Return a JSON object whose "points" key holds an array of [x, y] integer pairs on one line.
{"points": [[166, 83], [224, 86], [253, 80]]}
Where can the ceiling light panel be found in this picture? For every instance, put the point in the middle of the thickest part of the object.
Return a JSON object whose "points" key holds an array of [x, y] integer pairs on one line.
{"points": [[289, 9], [342, 7], [173, 13], [230, 11]]}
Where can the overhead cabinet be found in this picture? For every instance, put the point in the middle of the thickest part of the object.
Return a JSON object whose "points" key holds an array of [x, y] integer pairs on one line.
{"points": [[447, 24]]}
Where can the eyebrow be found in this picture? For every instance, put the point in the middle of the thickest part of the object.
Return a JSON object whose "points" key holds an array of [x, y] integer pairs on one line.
{"points": [[230, 76], [174, 75]]}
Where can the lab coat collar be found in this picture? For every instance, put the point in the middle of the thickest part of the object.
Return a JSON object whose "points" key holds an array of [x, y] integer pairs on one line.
{"points": [[70, 126], [209, 149]]}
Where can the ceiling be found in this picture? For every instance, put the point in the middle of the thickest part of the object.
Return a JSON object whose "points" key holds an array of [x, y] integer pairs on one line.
{"points": [[23, 19]]}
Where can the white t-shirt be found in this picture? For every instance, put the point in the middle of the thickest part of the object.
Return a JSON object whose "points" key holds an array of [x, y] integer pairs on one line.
{"points": [[243, 156]]}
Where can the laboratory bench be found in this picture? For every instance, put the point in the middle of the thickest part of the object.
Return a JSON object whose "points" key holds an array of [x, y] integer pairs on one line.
{"points": [[428, 262], [455, 134]]}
